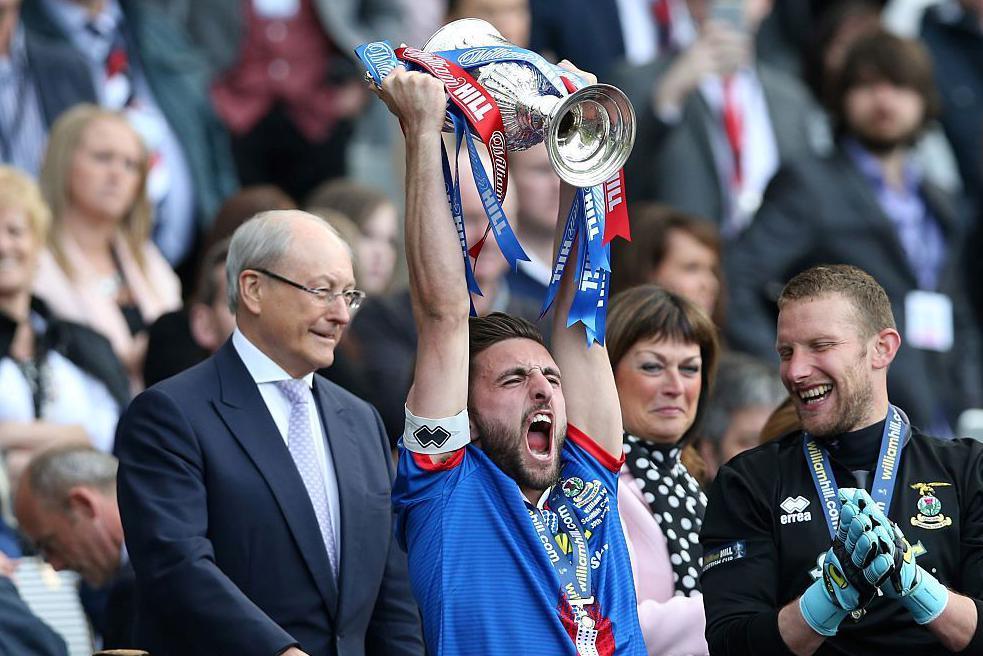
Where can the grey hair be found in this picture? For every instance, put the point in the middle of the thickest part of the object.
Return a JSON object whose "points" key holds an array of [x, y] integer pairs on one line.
{"points": [[53, 473], [260, 243], [742, 382]]}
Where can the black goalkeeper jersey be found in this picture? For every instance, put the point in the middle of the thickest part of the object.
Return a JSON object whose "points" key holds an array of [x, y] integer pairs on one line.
{"points": [[765, 532]]}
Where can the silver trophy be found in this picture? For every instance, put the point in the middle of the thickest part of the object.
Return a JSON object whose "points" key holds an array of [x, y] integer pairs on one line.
{"points": [[588, 134]]}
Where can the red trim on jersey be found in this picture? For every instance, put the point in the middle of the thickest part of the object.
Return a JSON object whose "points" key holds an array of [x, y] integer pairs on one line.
{"points": [[586, 443], [424, 462]]}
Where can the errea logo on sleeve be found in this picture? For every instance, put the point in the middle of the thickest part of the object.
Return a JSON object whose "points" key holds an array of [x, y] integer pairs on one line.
{"points": [[795, 510]]}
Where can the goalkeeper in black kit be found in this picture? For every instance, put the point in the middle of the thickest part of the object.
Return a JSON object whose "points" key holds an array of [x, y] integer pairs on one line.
{"points": [[856, 534]]}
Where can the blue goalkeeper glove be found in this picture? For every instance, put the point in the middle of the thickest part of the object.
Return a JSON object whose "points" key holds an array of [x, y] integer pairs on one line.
{"points": [[860, 559], [916, 589]]}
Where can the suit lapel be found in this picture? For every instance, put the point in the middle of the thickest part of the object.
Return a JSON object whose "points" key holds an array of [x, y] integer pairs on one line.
{"points": [[348, 466], [785, 121], [245, 413], [710, 125]]}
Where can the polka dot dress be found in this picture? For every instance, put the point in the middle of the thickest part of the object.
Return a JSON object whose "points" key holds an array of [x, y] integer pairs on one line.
{"points": [[677, 504]]}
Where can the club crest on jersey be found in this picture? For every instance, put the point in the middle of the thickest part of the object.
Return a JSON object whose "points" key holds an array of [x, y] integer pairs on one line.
{"points": [[589, 497], [431, 437], [929, 507]]}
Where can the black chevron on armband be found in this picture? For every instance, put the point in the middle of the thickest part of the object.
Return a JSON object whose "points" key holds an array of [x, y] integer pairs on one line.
{"points": [[431, 437]]}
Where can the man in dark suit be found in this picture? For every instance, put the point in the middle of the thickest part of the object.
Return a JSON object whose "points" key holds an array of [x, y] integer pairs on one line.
{"points": [[714, 124], [866, 205], [66, 505], [255, 494]]}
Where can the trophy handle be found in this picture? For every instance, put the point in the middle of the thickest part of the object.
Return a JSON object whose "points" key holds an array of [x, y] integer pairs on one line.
{"points": [[590, 134]]}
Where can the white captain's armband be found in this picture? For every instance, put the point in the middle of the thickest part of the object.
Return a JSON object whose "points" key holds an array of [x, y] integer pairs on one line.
{"points": [[436, 436]]}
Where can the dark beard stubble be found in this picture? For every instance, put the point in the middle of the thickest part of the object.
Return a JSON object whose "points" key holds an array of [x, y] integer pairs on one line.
{"points": [[504, 447]]}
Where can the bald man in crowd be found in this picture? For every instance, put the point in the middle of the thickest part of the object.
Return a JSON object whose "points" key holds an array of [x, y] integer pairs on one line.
{"points": [[66, 505]]}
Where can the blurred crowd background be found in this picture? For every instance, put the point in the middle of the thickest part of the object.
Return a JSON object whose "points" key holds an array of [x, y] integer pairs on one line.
{"points": [[136, 135]]}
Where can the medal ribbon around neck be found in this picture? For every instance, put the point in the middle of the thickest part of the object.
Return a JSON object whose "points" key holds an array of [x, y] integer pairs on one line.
{"points": [[897, 428]]}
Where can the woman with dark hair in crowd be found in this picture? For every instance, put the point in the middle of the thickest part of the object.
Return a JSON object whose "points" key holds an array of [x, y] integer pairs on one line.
{"points": [[674, 250], [101, 269], [60, 382], [663, 350], [377, 221]]}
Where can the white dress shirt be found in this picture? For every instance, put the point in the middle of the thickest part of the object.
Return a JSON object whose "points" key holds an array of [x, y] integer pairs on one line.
{"points": [[265, 372], [639, 32], [759, 152]]}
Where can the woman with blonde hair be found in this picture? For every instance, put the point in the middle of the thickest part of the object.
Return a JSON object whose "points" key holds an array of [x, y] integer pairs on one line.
{"points": [[101, 269], [59, 382]]}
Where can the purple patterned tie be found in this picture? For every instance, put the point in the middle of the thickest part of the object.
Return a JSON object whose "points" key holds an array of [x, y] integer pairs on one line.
{"points": [[300, 441]]}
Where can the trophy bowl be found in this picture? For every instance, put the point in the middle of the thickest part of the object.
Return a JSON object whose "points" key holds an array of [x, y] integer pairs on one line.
{"points": [[588, 134]]}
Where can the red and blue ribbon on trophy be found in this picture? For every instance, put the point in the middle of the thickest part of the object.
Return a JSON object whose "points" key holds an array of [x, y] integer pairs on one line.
{"points": [[598, 214]]}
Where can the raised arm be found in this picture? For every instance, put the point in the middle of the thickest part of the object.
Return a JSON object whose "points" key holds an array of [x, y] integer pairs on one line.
{"points": [[436, 267], [588, 381]]}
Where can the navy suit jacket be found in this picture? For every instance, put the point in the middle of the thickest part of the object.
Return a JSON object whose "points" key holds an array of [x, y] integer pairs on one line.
{"points": [[222, 534]]}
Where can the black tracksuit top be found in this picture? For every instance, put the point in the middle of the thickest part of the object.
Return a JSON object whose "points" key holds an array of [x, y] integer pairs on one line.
{"points": [[765, 530]]}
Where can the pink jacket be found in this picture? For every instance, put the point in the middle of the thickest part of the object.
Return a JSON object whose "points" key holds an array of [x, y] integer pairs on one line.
{"points": [[671, 626], [79, 299]]}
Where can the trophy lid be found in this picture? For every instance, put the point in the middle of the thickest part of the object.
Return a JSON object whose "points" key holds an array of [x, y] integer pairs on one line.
{"points": [[464, 33]]}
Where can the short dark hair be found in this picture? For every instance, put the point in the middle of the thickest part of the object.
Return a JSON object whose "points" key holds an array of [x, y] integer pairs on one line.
{"points": [[869, 300], [634, 262], [484, 332], [884, 56], [651, 312]]}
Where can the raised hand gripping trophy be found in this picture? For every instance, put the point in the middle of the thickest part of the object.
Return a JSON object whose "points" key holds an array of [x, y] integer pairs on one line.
{"points": [[513, 99]]}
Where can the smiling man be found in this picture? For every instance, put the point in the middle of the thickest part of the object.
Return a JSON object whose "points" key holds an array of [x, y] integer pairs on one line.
{"points": [[773, 510], [254, 493], [508, 511], [867, 203]]}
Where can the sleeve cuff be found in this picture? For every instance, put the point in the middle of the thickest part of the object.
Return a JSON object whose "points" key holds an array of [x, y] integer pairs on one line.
{"points": [[424, 462]]}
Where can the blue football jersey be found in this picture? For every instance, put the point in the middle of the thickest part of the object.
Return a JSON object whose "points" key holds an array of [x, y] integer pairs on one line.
{"points": [[481, 575]]}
